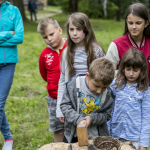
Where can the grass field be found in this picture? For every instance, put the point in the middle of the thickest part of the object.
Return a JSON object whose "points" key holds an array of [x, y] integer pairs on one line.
{"points": [[26, 107]]}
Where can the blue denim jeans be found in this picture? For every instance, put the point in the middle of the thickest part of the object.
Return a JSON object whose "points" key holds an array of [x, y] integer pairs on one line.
{"points": [[6, 79]]}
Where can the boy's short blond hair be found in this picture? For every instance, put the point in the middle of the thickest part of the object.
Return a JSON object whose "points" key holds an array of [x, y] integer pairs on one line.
{"points": [[102, 70], [45, 22]]}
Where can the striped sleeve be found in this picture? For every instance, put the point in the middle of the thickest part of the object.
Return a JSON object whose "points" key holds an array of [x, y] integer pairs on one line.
{"points": [[99, 52]]}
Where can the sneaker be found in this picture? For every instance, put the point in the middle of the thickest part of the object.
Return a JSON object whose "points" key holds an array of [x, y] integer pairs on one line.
{"points": [[7, 146]]}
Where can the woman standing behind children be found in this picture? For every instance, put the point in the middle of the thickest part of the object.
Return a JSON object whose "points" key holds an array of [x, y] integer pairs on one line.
{"points": [[11, 34], [136, 35], [130, 116], [82, 49]]}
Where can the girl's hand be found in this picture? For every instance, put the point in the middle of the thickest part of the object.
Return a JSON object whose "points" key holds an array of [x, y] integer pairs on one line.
{"points": [[142, 148], [12, 33], [88, 120], [82, 122], [61, 119]]}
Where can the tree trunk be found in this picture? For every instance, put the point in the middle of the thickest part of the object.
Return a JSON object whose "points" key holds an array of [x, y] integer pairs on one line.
{"points": [[19, 4], [105, 8], [73, 6], [118, 12], [147, 4]]}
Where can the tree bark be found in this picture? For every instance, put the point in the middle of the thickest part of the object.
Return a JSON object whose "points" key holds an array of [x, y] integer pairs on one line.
{"points": [[118, 12], [73, 6], [147, 4], [19, 4], [104, 3]]}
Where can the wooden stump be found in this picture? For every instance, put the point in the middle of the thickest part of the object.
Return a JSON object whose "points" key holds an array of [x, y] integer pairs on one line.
{"points": [[75, 146], [55, 146]]}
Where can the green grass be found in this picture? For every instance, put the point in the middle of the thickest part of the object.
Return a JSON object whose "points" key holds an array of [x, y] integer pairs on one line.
{"points": [[26, 106], [54, 7]]}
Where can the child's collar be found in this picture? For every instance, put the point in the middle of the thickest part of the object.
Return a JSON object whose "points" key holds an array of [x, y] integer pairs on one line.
{"points": [[51, 48], [65, 43], [133, 85], [134, 43]]}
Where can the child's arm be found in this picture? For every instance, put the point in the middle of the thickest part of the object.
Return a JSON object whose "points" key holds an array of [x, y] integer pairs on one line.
{"points": [[5, 35], [42, 69], [112, 89], [68, 104], [145, 126], [18, 37], [99, 52], [112, 54], [88, 120], [99, 118], [61, 86], [82, 122]]}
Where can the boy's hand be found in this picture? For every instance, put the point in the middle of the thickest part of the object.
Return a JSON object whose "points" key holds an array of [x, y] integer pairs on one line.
{"points": [[82, 122], [142, 148], [88, 120], [61, 119], [12, 33]]}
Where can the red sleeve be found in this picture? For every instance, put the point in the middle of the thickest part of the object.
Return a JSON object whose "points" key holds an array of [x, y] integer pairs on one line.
{"points": [[42, 68]]}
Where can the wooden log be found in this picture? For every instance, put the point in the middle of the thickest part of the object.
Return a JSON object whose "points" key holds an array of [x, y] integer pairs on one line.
{"points": [[75, 146], [55, 146], [64, 146], [82, 135]]}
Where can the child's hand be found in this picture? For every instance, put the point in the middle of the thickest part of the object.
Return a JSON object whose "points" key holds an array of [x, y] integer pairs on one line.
{"points": [[142, 148], [61, 119], [82, 122], [88, 120], [13, 32]]}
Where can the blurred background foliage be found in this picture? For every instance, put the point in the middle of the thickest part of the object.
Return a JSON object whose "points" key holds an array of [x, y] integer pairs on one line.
{"points": [[103, 9], [94, 8]]}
